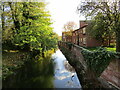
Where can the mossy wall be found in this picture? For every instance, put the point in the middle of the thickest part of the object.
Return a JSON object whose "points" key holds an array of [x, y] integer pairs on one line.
{"points": [[89, 65]]}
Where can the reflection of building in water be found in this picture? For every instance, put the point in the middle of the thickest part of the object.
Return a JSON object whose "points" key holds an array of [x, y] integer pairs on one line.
{"points": [[68, 67]]}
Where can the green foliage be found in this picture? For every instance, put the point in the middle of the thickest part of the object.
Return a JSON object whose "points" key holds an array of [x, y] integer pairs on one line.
{"points": [[111, 49], [30, 26], [111, 14], [99, 28], [7, 25], [42, 70], [69, 44], [98, 60], [11, 61], [36, 30]]}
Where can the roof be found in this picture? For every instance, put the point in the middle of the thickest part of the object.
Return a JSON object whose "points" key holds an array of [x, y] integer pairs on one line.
{"points": [[81, 28]]}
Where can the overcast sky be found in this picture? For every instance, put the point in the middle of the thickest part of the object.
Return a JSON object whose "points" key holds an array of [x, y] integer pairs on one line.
{"points": [[63, 11]]}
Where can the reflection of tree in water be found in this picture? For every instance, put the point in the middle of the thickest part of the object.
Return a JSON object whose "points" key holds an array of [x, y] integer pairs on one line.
{"points": [[34, 74], [68, 67]]}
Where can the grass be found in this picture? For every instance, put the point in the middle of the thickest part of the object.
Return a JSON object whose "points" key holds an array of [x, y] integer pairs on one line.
{"points": [[107, 48], [110, 49]]}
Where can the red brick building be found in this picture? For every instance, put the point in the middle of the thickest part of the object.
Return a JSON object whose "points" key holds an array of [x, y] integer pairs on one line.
{"points": [[82, 38], [66, 37]]}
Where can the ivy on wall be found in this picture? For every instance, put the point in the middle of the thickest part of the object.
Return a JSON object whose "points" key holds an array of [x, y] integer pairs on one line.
{"points": [[98, 60]]}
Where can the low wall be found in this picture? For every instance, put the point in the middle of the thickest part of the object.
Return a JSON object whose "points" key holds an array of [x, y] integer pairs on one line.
{"points": [[111, 75], [109, 78]]}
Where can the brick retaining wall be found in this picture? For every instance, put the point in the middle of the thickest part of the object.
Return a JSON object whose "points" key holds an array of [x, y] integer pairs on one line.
{"points": [[110, 78]]}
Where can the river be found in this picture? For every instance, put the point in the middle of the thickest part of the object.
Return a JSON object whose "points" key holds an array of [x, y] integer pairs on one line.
{"points": [[52, 72], [65, 75]]}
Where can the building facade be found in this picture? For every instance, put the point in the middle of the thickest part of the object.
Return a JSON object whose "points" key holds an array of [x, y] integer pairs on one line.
{"points": [[66, 37], [82, 38]]}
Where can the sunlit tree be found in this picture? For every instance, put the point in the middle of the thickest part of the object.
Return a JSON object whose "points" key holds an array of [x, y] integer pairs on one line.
{"points": [[31, 25]]}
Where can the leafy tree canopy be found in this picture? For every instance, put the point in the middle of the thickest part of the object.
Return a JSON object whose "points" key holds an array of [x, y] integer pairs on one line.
{"points": [[31, 25]]}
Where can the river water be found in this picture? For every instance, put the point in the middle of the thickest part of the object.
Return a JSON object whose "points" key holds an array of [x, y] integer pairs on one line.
{"points": [[65, 75], [51, 72]]}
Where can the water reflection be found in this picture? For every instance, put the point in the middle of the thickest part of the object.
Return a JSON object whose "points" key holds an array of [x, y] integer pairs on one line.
{"points": [[68, 66], [35, 74], [65, 75], [49, 72]]}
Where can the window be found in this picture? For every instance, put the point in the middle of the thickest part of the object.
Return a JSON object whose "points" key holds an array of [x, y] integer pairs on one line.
{"points": [[84, 30], [81, 40], [84, 40]]}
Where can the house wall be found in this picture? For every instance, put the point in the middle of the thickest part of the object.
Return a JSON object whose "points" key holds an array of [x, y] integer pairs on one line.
{"points": [[74, 37], [82, 23], [91, 42], [66, 38], [83, 39]]}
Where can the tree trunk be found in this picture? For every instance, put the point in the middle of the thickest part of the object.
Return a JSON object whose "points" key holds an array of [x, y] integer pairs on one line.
{"points": [[15, 18], [118, 41], [43, 55], [2, 18]]}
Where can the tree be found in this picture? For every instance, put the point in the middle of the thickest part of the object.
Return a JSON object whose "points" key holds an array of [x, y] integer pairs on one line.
{"points": [[31, 26], [109, 9], [99, 28], [2, 16], [69, 27], [7, 25]]}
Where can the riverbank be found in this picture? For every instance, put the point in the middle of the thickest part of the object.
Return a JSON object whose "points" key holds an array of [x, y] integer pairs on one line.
{"points": [[12, 60], [92, 66], [15, 59], [86, 77], [51, 71], [23, 71]]}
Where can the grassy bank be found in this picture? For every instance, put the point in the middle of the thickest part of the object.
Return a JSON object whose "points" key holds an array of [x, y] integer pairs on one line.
{"points": [[113, 49], [36, 72], [11, 60], [14, 59]]}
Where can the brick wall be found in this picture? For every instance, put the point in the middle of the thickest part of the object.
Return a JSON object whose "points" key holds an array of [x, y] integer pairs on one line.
{"points": [[83, 39], [82, 24], [91, 42], [110, 78], [111, 74]]}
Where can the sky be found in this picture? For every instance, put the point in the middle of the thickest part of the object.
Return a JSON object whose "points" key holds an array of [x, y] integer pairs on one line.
{"points": [[63, 11]]}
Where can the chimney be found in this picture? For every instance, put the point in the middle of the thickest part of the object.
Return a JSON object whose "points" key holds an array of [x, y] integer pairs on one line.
{"points": [[83, 23]]}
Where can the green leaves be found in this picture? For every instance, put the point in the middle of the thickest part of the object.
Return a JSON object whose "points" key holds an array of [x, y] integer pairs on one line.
{"points": [[100, 29], [28, 25], [35, 27], [98, 60]]}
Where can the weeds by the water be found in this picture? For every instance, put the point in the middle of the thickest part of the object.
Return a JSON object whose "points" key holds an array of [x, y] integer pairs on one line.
{"points": [[12, 60]]}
